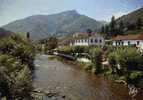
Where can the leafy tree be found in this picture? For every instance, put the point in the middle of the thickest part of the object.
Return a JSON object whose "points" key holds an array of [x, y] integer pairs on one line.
{"points": [[131, 26], [22, 87], [107, 29], [16, 60], [96, 58], [121, 27], [52, 43], [89, 31], [103, 29], [139, 23], [113, 26], [127, 62]]}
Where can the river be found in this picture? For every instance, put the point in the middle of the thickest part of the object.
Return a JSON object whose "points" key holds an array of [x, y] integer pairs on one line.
{"points": [[74, 83]]}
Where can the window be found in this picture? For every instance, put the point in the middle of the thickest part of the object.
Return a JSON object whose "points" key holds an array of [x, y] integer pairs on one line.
{"points": [[82, 41], [91, 41], [116, 43], [122, 43], [95, 40], [128, 42], [138, 42]]}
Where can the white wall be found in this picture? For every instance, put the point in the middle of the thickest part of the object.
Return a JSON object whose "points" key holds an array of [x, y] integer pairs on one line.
{"points": [[81, 42], [125, 42], [90, 41], [99, 41]]}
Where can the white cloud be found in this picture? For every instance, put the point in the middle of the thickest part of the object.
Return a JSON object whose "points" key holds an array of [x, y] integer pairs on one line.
{"points": [[119, 14]]}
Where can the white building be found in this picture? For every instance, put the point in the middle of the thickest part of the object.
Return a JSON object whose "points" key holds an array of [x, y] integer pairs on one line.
{"points": [[96, 40], [127, 40]]}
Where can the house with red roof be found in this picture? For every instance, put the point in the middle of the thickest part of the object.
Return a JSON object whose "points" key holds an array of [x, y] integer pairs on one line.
{"points": [[127, 40], [86, 39]]}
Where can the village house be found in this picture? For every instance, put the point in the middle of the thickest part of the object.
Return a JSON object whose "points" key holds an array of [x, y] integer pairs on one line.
{"points": [[86, 39], [128, 40]]}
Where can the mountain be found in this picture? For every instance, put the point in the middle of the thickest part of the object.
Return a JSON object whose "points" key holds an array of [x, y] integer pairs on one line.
{"points": [[132, 17], [4, 32], [61, 24]]}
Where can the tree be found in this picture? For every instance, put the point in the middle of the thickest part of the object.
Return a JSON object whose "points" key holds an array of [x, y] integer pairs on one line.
{"points": [[113, 26], [89, 31], [52, 43], [121, 27], [96, 58], [28, 35], [130, 26], [127, 62], [107, 29], [139, 23], [103, 29], [16, 60]]}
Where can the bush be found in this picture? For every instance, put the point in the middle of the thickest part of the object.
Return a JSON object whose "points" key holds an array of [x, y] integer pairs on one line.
{"points": [[66, 49], [16, 66], [127, 62], [19, 48], [129, 58], [73, 50], [11, 70], [88, 66], [80, 49], [96, 58], [112, 58]]}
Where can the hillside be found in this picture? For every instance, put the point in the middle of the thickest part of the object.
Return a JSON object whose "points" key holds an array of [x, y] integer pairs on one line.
{"points": [[132, 17], [4, 32], [42, 26]]}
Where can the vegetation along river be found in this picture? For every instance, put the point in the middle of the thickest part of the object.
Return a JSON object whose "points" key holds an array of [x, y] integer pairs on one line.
{"points": [[75, 84]]}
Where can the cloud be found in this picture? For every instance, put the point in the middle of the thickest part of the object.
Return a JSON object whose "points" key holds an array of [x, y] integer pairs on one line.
{"points": [[119, 14]]}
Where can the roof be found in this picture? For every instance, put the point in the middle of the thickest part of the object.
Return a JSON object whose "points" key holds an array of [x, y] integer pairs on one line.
{"points": [[86, 36], [129, 37]]}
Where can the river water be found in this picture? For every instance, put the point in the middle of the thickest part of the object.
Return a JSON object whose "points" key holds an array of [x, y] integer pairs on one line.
{"points": [[74, 83]]}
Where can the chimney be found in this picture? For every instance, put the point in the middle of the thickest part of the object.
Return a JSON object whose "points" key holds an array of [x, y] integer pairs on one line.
{"points": [[28, 36]]}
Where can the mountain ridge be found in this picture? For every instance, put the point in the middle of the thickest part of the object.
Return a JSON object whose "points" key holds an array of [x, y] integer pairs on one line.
{"points": [[58, 24], [132, 17]]}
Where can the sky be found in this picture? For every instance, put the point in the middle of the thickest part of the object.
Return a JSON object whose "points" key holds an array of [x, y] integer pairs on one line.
{"points": [[11, 10]]}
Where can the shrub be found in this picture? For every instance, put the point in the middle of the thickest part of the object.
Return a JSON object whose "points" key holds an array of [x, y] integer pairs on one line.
{"points": [[128, 63], [19, 48], [112, 58], [66, 49], [16, 66], [136, 77], [11, 70], [80, 49], [96, 58], [129, 58]]}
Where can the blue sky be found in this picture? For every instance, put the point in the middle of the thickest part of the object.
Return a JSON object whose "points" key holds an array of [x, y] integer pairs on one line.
{"points": [[11, 10]]}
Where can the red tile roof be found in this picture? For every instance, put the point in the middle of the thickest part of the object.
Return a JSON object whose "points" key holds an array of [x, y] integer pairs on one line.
{"points": [[129, 37]]}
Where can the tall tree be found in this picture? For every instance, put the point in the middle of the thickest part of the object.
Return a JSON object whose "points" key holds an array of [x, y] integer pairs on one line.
{"points": [[113, 26], [121, 27], [89, 32], [107, 29], [103, 29], [139, 23], [52, 43]]}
